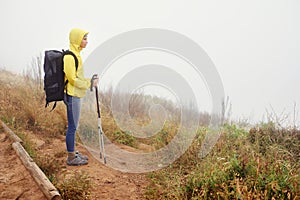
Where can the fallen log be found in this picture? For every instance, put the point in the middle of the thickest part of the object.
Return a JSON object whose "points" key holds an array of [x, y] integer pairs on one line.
{"points": [[40, 178], [11, 134]]}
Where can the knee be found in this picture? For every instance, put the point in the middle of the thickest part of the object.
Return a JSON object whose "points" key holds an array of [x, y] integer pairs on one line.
{"points": [[71, 130]]}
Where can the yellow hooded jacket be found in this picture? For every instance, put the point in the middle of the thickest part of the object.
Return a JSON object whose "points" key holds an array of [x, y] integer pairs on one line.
{"points": [[77, 84]]}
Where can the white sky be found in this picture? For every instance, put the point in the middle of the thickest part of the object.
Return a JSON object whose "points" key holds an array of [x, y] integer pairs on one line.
{"points": [[255, 45]]}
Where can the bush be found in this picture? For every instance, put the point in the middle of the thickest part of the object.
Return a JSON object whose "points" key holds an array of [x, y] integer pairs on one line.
{"points": [[76, 187], [260, 164]]}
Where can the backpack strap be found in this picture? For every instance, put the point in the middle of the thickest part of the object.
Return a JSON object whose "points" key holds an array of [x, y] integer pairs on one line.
{"points": [[68, 52], [52, 106]]}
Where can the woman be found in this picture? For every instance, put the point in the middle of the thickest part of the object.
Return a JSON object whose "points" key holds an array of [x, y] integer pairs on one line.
{"points": [[75, 89]]}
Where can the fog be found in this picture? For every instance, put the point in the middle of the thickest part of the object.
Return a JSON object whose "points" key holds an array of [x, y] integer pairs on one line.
{"points": [[254, 45]]}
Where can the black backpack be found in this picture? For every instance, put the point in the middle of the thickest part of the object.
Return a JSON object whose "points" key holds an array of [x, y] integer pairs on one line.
{"points": [[54, 83]]}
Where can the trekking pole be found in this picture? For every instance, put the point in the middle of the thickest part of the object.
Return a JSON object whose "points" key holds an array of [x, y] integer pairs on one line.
{"points": [[101, 141]]}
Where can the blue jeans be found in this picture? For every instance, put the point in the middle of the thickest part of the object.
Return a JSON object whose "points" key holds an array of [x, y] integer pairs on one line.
{"points": [[73, 112]]}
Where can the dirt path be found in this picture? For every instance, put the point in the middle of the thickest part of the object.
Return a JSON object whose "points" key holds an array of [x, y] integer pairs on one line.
{"points": [[15, 181], [107, 182], [112, 184]]}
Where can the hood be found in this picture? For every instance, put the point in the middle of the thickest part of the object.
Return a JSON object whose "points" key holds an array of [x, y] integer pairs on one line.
{"points": [[76, 35]]}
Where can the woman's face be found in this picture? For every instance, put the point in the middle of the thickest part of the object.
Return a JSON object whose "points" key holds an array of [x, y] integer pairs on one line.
{"points": [[84, 42]]}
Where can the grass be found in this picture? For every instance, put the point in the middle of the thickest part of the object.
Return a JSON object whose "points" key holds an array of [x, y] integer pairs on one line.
{"points": [[124, 138], [76, 187], [239, 167]]}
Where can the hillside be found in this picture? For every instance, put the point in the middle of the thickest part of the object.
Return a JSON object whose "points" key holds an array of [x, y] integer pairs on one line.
{"points": [[43, 134], [260, 163]]}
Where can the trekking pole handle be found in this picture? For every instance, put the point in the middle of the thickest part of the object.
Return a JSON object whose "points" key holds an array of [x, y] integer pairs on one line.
{"points": [[94, 77]]}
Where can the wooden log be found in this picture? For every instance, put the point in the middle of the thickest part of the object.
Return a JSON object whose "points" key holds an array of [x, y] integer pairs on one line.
{"points": [[40, 178], [11, 134]]}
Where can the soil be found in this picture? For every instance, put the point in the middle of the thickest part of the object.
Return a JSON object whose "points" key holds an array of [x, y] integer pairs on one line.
{"points": [[107, 183], [15, 181]]}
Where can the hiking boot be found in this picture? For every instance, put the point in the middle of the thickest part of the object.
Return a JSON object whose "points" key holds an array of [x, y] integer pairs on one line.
{"points": [[81, 155], [77, 161]]}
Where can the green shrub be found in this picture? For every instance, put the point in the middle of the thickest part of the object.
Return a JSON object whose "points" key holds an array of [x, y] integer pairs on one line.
{"points": [[124, 138], [260, 164], [76, 187]]}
